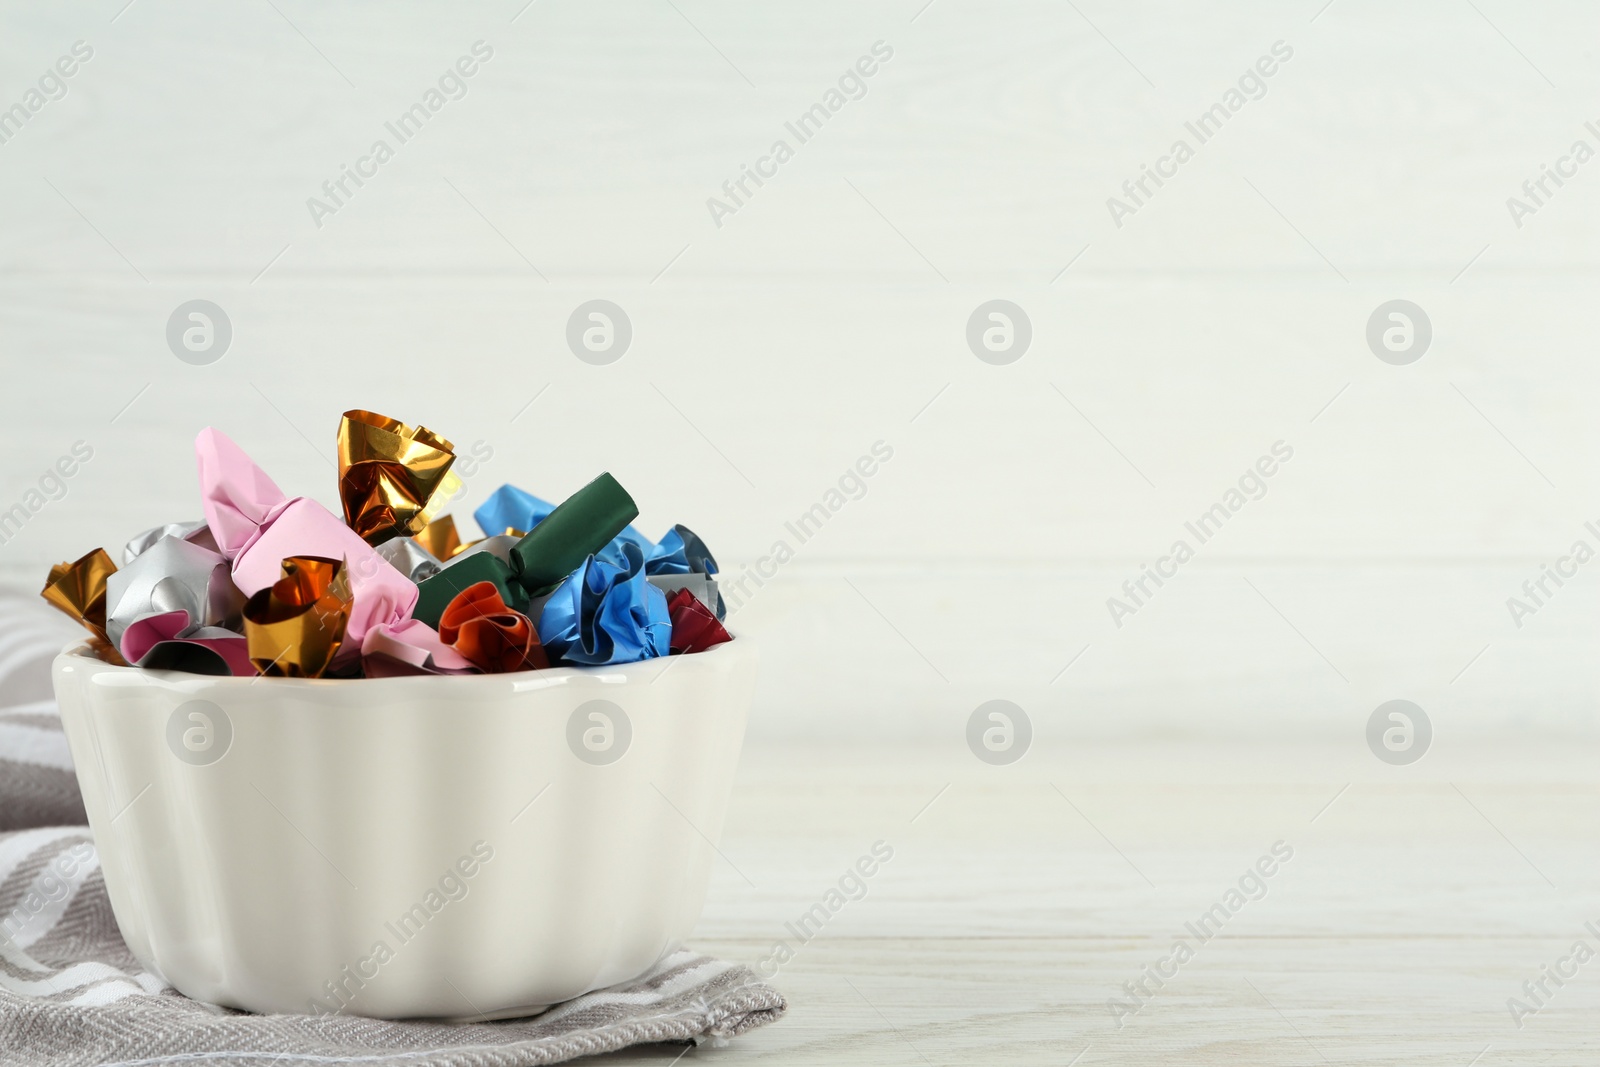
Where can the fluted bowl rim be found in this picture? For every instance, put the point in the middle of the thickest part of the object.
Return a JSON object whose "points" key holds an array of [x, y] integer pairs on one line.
{"points": [[519, 681]]}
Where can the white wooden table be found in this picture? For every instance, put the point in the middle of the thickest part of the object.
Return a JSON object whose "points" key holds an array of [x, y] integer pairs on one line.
{"points": [[1418, 900]]}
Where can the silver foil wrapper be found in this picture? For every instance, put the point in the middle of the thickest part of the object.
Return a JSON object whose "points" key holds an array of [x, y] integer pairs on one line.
{"points": [[702, 586], [173, 574], [409, 558], [194, 532], [499, 545]]}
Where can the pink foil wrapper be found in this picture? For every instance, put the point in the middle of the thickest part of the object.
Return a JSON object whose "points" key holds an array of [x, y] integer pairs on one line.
{"points": [[257, 528], [411, 647], [156, 640]]}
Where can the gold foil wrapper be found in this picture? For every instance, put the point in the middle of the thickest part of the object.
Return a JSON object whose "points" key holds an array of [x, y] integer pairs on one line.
{"points": [[394, 479], [440, 537], [79, 589], [294, 626], [500, 544]]}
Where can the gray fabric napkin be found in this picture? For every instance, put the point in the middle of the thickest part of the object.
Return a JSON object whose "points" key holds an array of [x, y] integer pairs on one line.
{"points": [[37, 786], [72, 994]]}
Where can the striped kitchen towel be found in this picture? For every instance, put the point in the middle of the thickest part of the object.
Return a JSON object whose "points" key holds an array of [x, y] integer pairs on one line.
{"points": [[37, 787], [31, 633], [72, 994]]}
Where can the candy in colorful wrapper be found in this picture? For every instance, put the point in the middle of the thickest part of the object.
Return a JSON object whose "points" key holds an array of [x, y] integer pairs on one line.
{"points": [[296, 625], [478, 625], [612, 553], [167, 642], [172, 576], [196, 531], [440, 537], [576, 529], [393, 478], [510, 508], [410, 558], [318, 596], [669, 556], [410, 647], [79, 589], [257, 527], [499, 546], [679, 552], [702, 586], [238, 497], [435, 594], [682, 552], [198, 654], [694, 627], [695, 551], [175, 606], [536, 563], [606, 614]]}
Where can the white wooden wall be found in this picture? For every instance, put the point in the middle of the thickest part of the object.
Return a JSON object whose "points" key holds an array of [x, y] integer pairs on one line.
{"points": [[829, 313]]}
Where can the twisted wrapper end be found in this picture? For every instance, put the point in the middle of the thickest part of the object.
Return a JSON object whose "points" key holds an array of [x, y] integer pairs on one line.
{"points": [[394, 479]]}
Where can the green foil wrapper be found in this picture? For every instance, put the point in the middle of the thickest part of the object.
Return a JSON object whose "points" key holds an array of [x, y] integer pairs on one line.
{"points": [[435, 594], [580, 526]]}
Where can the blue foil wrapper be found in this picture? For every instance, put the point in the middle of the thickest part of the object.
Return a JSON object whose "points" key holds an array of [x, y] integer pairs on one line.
{"points": [[682, 552], [606, 614], [509, 508], [679, 552]]}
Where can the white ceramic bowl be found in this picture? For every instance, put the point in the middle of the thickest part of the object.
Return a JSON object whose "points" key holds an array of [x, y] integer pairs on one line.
{"points": [[425, 846]]}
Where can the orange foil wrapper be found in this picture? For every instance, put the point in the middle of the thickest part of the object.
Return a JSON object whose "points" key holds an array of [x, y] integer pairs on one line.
{"points": [[394, 479], [79, 589], [490, 635], [294, 626], [440, 537]]}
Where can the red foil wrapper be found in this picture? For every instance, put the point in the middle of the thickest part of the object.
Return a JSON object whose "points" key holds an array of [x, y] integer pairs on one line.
{"points": [[694, 627]]}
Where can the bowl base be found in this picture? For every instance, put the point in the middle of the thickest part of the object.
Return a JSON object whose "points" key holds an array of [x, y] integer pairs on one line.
{"points": [[526, 1011]]}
